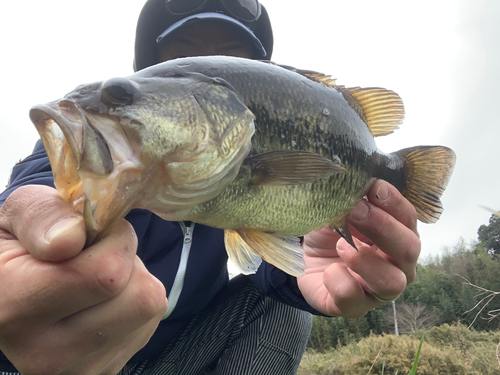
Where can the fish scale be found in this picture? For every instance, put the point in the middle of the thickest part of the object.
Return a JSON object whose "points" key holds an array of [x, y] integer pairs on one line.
{"points": [[266, 152]]}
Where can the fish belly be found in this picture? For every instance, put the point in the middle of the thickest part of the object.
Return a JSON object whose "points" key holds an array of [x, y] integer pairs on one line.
{"points": [[293, 209]]}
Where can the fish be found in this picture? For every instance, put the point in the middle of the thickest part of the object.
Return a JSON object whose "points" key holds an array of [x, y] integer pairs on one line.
{"points": [[266, 152]]}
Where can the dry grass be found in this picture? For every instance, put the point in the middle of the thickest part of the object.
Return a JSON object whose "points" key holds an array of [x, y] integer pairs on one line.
{"points": [[446, 350]]}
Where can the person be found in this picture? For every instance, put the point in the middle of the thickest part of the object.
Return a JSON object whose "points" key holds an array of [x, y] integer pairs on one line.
{"points": [[99, 310]]}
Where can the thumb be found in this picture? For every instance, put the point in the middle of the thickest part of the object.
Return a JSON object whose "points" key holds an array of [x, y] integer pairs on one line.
{"points": [[45, 225]]}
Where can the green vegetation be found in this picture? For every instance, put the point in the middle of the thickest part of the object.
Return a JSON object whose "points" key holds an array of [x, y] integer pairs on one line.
{"points": [[489, 235], [453, 303], [453, 350]]}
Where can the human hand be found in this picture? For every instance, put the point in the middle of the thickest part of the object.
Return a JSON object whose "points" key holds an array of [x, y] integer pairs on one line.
{"points": [[64, 310], [341, 281]]}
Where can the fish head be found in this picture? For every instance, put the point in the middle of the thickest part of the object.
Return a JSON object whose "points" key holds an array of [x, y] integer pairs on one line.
{"points": [[161, 143]]}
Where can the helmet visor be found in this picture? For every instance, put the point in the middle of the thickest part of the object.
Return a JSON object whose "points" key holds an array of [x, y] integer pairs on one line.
{"points": [[243, 10]]}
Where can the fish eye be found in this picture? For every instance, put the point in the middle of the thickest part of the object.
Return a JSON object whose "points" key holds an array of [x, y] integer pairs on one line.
{"points": [[118, 91]]}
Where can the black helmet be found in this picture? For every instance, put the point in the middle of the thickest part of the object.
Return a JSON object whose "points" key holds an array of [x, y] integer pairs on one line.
{"points": [[160, 17]]}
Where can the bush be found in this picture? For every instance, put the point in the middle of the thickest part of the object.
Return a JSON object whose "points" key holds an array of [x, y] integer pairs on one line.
{"points": [[446, 350], [330, 332], [476, 348]]}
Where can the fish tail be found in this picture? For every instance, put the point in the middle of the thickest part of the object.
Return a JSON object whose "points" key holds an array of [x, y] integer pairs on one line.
{"points": [[427, 170]]}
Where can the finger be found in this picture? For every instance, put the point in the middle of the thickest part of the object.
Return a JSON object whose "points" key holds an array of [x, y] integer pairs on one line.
{"points": [[104, 269], [400, 243], [43, 223], [59, 289], [142, 301], [389, 199], [321, 242], [348, 298], [372, 271]]}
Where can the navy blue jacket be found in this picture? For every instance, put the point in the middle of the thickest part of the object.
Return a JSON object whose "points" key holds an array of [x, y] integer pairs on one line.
{"points": [[160, 245]]}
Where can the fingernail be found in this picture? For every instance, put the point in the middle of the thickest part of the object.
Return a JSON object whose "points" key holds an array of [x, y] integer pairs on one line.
{"points": [[342, 245], [63, 226], [360, 212], [382, 192]]}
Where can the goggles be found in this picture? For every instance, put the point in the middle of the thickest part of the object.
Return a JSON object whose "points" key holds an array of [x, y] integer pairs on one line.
{"points": [[243, 10]]}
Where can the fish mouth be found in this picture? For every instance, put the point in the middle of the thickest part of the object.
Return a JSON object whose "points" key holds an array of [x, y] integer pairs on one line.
{"points": [[94, 165]]}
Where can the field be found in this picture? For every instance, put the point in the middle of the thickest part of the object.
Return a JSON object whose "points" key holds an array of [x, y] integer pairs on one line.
{"points": [[446, 350]]}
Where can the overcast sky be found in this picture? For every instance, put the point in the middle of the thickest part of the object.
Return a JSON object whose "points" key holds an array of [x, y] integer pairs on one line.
{"points": [[441, 56]]}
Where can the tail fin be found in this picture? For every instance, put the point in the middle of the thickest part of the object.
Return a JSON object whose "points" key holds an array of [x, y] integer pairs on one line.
{"points": [[427, 171]]}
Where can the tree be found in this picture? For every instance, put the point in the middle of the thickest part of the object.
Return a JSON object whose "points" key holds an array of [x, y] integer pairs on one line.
{"points": [[413, 317], [444, 283], [489, 235]]}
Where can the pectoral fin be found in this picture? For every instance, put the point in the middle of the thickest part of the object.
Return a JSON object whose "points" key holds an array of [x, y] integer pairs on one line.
{"points": [[291, 167], [283, 252]]}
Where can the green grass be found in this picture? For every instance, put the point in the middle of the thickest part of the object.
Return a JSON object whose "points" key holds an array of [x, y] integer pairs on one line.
{"points": [[453, 350], [413, 370]]}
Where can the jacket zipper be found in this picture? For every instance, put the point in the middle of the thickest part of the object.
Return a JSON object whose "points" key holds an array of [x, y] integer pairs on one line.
{"points": [[175, 291]]}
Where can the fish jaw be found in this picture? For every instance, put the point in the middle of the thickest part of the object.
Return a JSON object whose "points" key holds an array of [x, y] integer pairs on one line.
{"points": [[99, 181]]}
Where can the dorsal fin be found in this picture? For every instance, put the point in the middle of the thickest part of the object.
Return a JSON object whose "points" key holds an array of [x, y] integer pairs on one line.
{"points": [[320, 77], [311, 74], [382, 110]]}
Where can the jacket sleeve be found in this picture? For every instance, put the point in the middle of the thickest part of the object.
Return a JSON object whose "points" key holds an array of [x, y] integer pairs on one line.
{"points": [[281, 287], [33, 170]]}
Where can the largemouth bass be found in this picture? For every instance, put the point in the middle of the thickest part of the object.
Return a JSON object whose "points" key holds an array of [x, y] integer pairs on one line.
{"points": [[266, 152]]}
